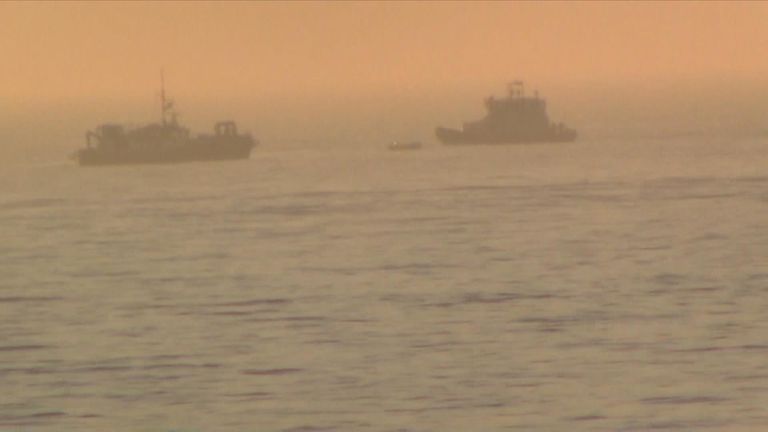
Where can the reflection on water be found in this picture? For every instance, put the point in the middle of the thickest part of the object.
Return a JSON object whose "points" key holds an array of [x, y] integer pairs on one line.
{"points": [[595, 286]]}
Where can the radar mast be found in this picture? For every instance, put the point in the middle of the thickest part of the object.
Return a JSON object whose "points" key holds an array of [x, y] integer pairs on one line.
{"points": [[517, 89], [166, 105], [162, 96]]}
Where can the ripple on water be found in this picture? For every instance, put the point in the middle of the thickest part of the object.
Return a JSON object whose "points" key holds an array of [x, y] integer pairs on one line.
{"points": [[279, 371], [30, 419], [683, 400], [31, 203], [30, 299], [10, 348]]}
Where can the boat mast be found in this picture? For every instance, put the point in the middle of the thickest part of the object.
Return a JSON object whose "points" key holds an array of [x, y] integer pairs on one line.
{"points": [[162, 96]]}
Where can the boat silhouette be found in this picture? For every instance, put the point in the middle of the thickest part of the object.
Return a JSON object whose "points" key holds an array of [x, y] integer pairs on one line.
{"points": [[164, 142], [514, 119]]}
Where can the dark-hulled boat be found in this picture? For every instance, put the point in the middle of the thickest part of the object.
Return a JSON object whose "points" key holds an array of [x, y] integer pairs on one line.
{"points": [[164, 142], [515, 119]]}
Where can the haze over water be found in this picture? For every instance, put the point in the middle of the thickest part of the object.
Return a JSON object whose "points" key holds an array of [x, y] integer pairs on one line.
{"points": [[616, 283], [337, 74]]}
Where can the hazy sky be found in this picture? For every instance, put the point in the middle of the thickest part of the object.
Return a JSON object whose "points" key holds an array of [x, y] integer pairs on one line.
{"points": [[63, 53], [55, 50]]}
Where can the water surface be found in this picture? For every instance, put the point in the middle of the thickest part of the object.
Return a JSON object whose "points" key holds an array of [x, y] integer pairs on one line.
{"points": [[601, 286]]}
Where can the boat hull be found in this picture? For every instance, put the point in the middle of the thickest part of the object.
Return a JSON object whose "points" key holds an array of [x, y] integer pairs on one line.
{"points": [[404, 146], [167, 154]]}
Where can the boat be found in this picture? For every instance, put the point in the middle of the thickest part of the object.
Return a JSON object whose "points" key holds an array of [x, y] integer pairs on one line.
{"points": [[514, 119], [164, 142], [404, 145]]}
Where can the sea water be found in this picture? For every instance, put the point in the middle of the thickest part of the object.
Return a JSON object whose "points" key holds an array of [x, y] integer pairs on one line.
{"points": [[602, 285]]}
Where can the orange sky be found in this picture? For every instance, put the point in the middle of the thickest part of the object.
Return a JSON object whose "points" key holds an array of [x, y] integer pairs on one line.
{"points": [[90, 49], [104, 59]]}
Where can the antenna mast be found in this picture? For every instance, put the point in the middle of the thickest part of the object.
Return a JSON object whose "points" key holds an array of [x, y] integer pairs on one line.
{"points": [[162, 96]]}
